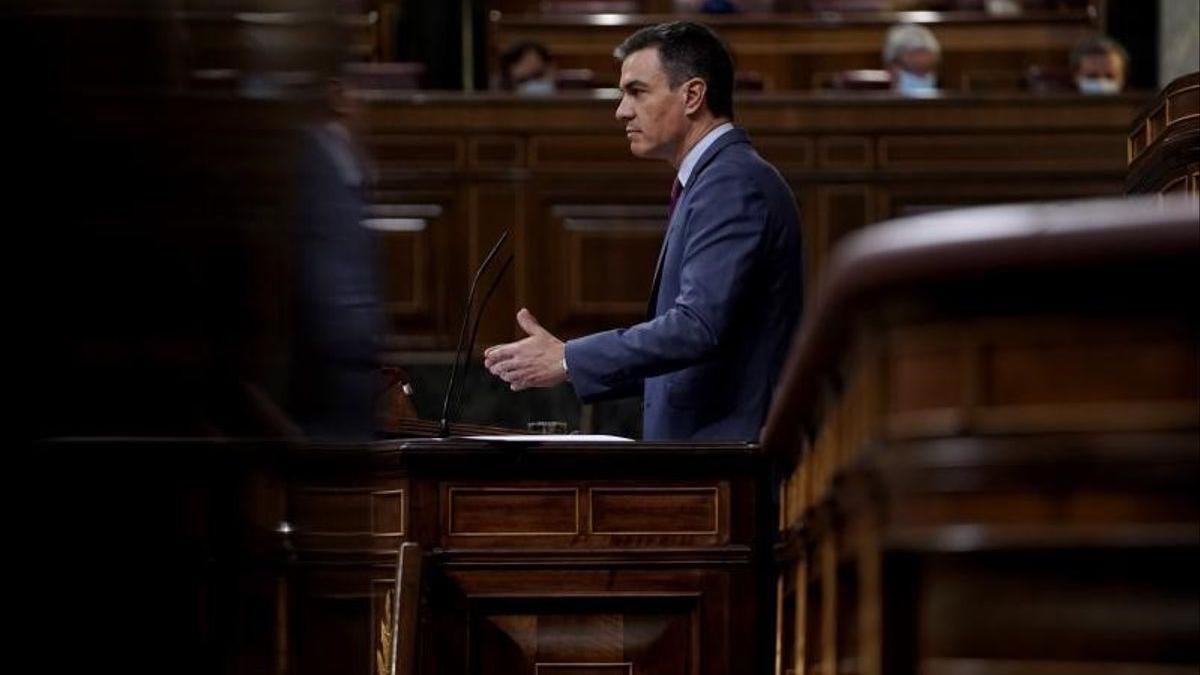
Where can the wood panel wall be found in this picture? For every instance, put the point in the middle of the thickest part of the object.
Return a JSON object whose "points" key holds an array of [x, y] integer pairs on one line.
{"points": [[587, 217]]}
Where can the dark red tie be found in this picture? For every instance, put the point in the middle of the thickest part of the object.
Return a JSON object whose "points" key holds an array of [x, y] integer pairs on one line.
{"points": [[676, 189]]}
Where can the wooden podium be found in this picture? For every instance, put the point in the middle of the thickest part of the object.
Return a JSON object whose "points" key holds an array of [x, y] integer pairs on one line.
{"points": [[555, 558], [558, 558]]}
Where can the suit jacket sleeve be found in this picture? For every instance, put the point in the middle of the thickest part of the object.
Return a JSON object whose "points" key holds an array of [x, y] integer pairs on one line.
{"points": [[724, 229]]}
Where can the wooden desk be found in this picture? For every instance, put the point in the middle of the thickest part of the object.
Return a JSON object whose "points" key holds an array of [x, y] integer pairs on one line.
{"points": [[256, 558], [587, 216]]}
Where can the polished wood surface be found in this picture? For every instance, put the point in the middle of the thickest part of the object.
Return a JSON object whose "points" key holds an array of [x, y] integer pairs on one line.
{"points": [[991, 421], [587, 217], [796, 52], [1164, 146]]}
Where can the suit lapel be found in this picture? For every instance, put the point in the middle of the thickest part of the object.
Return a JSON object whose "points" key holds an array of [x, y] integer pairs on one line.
{"points": [[652, 302], [734, 135]]}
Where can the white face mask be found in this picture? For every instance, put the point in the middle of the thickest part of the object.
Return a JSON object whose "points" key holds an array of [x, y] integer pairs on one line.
{"points": [[538, 87], [1100, 86], [909, 83]]}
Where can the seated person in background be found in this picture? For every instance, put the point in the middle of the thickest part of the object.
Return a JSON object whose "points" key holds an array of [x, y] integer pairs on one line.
{"points": [[912, 54], [527, 68], [1099, 66], [723, 6], [1003, 7]]}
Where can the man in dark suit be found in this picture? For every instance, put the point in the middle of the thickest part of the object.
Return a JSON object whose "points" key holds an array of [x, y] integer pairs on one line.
{"points": [[727, 291], [335, 371]]}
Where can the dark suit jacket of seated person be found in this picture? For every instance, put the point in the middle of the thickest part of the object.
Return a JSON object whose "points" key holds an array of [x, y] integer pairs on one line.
{"points": [[728, 289]]}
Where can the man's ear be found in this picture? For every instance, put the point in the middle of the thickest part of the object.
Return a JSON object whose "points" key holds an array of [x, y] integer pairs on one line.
{"points": [[694, 91]]}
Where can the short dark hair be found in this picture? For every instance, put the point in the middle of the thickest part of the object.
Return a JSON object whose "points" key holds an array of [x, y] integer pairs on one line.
{"points": [[1097, 45], [510, 56], [689, 50]]}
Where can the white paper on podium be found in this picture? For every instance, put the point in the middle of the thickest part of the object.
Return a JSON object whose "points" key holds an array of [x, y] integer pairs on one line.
{"points": [[542, 438]]}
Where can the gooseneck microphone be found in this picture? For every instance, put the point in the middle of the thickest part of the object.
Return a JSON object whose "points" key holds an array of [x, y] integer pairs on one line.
{"points": [[475, 331], [444, 424]]}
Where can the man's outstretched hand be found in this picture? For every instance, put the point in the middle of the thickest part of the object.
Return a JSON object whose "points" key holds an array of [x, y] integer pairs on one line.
{"points": [[536, 361]]}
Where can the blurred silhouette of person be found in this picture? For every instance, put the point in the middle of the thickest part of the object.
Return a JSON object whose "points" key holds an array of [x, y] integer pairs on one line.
{"points": [[912, 55], [723, 6], [527, 68], [335, 371]]}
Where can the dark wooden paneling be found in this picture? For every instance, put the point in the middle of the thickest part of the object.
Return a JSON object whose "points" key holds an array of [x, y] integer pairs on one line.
{"points": [[496, 152], [651, 510], [406, 234], [341, 516], [788, 153], [563, 638], [587, 216], [1058, 151], [493, 208], [582, 515], [599, 241], [580, 153], [511, 511], [421, 240]]}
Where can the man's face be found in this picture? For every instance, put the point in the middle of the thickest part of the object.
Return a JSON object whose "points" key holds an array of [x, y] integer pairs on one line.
{"points": [[1102, 67], [654, 115]]}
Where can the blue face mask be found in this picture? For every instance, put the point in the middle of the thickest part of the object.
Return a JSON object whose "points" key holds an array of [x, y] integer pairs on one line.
{"points": [[538, 87], [909, 83], [1101, 86]]}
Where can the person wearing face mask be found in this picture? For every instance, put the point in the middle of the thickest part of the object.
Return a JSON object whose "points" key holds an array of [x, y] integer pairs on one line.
{"points": [[526, 68], [1099, 66], [912, 54]]}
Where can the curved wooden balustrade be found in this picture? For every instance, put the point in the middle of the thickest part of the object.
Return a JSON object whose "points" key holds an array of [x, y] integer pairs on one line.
{"points": [[1164, 147], [990, 421]]}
